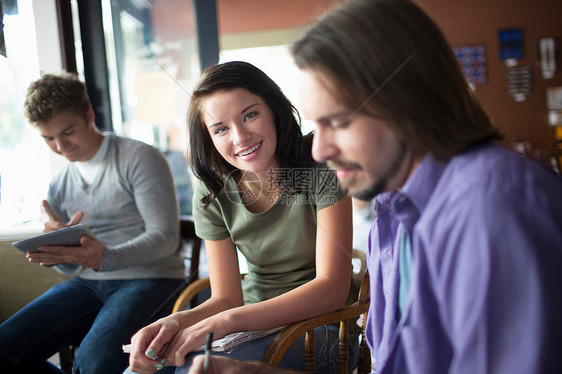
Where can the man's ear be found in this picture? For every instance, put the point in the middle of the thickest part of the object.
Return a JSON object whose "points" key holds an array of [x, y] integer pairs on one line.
{"points": [[90, 116]]}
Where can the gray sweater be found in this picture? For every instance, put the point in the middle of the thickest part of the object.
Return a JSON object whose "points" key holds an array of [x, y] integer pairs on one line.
{"points": [[130, 207]]}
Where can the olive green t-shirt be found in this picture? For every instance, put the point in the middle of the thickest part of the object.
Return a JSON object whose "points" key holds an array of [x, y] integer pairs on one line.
{"points": [[280, 243]]}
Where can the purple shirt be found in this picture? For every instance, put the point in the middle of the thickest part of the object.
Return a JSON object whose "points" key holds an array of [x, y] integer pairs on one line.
{"points": [[486, 291]]}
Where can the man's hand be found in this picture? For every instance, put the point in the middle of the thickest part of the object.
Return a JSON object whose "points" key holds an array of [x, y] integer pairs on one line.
{"points": [[89, 254], [225, 365], [55, 223]]}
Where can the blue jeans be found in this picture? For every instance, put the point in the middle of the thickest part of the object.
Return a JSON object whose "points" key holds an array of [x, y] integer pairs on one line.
{"points": [[99, 316]]}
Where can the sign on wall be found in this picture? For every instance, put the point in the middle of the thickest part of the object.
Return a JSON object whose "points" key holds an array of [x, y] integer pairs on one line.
{"points": [[472, 59]]}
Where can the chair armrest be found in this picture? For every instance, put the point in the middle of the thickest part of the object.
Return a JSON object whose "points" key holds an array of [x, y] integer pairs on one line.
{"points": [[193, 289], [290, 333]]}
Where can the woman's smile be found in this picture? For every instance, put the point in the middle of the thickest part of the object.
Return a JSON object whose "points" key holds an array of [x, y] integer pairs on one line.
{"points": [[249, 152]]}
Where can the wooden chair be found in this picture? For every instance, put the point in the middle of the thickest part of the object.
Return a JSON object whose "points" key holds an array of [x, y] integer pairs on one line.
{"points": [[291, 332], [189, 296]]}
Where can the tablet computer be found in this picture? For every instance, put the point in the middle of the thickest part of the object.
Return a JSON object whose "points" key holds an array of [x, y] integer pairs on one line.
{"points": [[69, 236]]}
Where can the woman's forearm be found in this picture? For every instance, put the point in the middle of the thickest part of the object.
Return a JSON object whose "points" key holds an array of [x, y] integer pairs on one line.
{"points": [[317, 297], [210, 307]]}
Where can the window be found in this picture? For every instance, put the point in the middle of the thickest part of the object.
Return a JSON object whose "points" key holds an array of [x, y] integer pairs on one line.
{"points": [[152, 53], [261, 32], [25, 170]]}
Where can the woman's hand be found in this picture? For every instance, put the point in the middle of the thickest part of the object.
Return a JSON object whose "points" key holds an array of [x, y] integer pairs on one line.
{"points": [[149, 345], [194, 337], [164, 343]]}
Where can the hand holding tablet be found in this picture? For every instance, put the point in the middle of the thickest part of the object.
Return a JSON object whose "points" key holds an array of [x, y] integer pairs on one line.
{"points": [[62, 242], [68, 236]]}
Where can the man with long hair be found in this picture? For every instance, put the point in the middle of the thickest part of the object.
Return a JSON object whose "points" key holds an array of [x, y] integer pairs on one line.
{"points": [[465, 252]]}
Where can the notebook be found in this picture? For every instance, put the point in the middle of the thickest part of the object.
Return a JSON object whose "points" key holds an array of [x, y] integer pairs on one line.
{"points": [[234, 340], [230, 341]]}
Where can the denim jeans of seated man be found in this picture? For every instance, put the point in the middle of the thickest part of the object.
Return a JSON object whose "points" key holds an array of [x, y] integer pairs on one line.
{"points": [[293, 358], [99, 316]]}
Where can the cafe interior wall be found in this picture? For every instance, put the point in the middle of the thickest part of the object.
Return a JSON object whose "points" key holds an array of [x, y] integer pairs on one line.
{"points": [[478, 21], [463, 22]]}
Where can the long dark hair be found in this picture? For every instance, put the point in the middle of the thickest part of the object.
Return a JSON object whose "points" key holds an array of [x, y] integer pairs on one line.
{"points": [[388, 58], [293, 149]]}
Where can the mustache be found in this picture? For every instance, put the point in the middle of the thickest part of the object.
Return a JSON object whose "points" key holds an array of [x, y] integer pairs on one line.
{"points": [[337, 164]]}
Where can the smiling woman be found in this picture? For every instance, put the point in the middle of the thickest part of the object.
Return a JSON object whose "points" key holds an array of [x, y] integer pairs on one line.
{"points": [[242, 129], [259, 191]]}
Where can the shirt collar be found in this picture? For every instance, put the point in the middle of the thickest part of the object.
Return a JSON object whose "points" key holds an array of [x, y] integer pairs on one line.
{"points": [[406, 204], [99, 156], [383, 202], [419, 187]]}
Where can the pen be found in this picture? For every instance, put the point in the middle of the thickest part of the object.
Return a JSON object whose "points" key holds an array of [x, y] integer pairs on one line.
{"points": [[208, 352]]}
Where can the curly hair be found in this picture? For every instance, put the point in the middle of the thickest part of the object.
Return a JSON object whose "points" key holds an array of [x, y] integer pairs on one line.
{"points": [[53, 94]]}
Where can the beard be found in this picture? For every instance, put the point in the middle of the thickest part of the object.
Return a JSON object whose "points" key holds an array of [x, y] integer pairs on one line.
{"points": [[382, 183], [370, 193]]}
